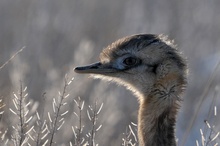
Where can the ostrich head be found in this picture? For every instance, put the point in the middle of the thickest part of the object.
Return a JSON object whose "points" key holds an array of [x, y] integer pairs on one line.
{"points": [[142, 63], [151, 67]]}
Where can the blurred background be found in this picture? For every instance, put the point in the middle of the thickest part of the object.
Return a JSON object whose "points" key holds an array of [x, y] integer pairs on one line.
{"points": [[60, 35]]}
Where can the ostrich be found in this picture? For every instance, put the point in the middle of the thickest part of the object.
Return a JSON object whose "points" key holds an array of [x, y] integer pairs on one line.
{"points": [[153, 69]]}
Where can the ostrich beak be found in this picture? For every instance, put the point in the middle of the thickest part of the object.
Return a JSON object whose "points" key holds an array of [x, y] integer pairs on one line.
{"points": [[95, 68]]}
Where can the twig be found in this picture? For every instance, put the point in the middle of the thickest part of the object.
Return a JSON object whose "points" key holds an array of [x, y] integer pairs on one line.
{"points": [[78, 137], [11, 57], [211, 108], [128, 140], [41, 124], [57, 109], [94, 119], [2, 105], [22, 112]]}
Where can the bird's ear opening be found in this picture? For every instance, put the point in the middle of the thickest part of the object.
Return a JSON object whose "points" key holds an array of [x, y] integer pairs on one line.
{"points": [[154, 68], [95, 68]]}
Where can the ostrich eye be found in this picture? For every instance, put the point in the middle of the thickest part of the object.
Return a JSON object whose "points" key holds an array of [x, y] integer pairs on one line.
{"points": [[130, 61]]}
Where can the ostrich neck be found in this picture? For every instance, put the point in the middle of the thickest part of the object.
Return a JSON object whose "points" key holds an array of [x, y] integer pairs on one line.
{"points": [[156, 123]]}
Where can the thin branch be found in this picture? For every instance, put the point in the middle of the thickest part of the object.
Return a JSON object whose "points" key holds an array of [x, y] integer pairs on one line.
{"points": [[58, 106], [57, 114], [93, 118], [13, 56], [41, 124], [78, 137]]}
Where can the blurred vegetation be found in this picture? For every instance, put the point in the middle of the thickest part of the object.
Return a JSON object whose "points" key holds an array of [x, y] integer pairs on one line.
{"points": [[58, 35]]}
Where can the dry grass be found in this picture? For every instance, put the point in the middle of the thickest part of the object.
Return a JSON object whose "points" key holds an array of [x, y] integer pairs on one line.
{"points": [[32, 127]]}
